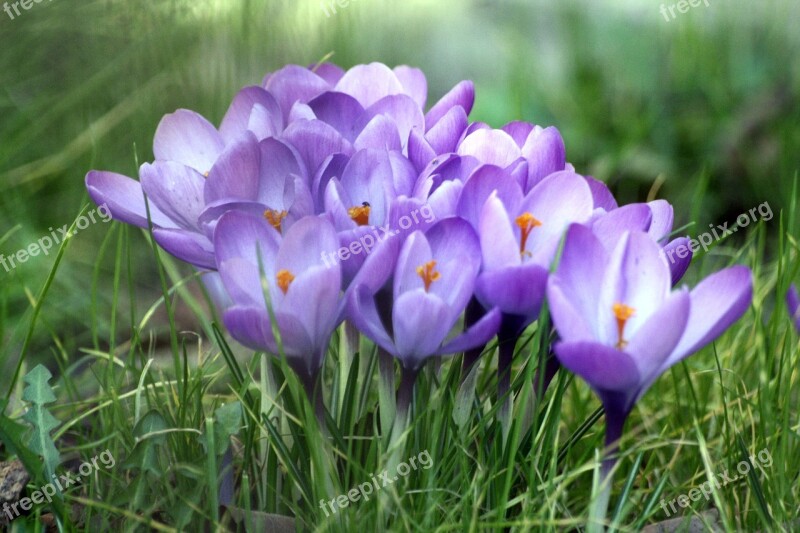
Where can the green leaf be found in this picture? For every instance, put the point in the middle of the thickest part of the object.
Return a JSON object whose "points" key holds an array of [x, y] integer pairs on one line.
{"points": [[38, 393], [228, 420]]}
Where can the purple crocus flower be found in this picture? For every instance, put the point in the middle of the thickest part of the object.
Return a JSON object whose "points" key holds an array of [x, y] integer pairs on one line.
{"points": [[519, 237], [370, 106], [793, 304], [541, 150], [620, 324], [304, 292], [411, 292]]}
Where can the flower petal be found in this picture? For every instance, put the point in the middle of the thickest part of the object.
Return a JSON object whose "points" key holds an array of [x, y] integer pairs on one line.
{"points": [[176, 190], [604, 368], [237, 118], [414, 83], [124, 199], [463, 95], [188, 246], [188, 138], [717, 302], [369, 83]]}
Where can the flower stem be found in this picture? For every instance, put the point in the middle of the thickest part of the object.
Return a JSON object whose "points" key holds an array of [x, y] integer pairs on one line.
{"points": [[615, 421]]}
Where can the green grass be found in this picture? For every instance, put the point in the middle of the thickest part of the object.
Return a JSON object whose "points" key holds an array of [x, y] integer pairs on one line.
{"points": [[706, 105]]}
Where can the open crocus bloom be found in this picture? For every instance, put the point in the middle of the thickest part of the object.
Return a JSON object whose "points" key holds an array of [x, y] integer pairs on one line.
{"points": [[304, 291], [793, 303], [410, 293], [620, 324], [519, 235]]}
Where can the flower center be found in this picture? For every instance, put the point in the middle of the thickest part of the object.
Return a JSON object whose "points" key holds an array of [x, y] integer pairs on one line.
{"points": [[360, 214], [622, 313], [526, 223], [428, 273], [285, 278], [275, 217]]}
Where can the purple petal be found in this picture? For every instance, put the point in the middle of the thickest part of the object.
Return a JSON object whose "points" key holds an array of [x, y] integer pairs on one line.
{"points": [[235, 174], [328, 71], [462, 95], [557, 201], [573, 290], [240, 236], [480, 185], [477, 335], [237, 118], [305, 243], [545, 152], [364, 314], [124, 199], [661, 224], [414, 84], [340, 110], [638, 276], [402, 110], [315, 140], [793, 304], [294, 83], [264, 123], [421, 322], [186, 137], [519, 131], [381, 134], [499, 245], [679, 257], [493, 147], [420, 152], [444, 135], [603, 198], [320, 285], [369, 83], [187, 246], [514, 290], [717, 302], [611, 226], [176, 190], [656, 338], [602, 367]]}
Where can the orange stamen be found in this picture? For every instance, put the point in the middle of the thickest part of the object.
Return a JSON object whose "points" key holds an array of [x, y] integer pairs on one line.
{"points": [[526, 223], [360, 214], [285, 278], [275, 217], [428, 273], [622, 313]]}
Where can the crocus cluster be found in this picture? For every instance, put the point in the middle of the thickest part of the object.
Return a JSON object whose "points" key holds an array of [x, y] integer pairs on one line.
{"points": [[327, 195]]}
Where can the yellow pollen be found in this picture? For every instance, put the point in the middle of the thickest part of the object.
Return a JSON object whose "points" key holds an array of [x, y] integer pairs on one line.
{"points": [[526, 223], [428, 273], [205, 174], [285, 278], [275, 217], [360, 214], [622, 313]]}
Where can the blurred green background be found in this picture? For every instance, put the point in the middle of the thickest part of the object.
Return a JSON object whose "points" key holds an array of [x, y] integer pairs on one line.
{"points": [[701, 110]]}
